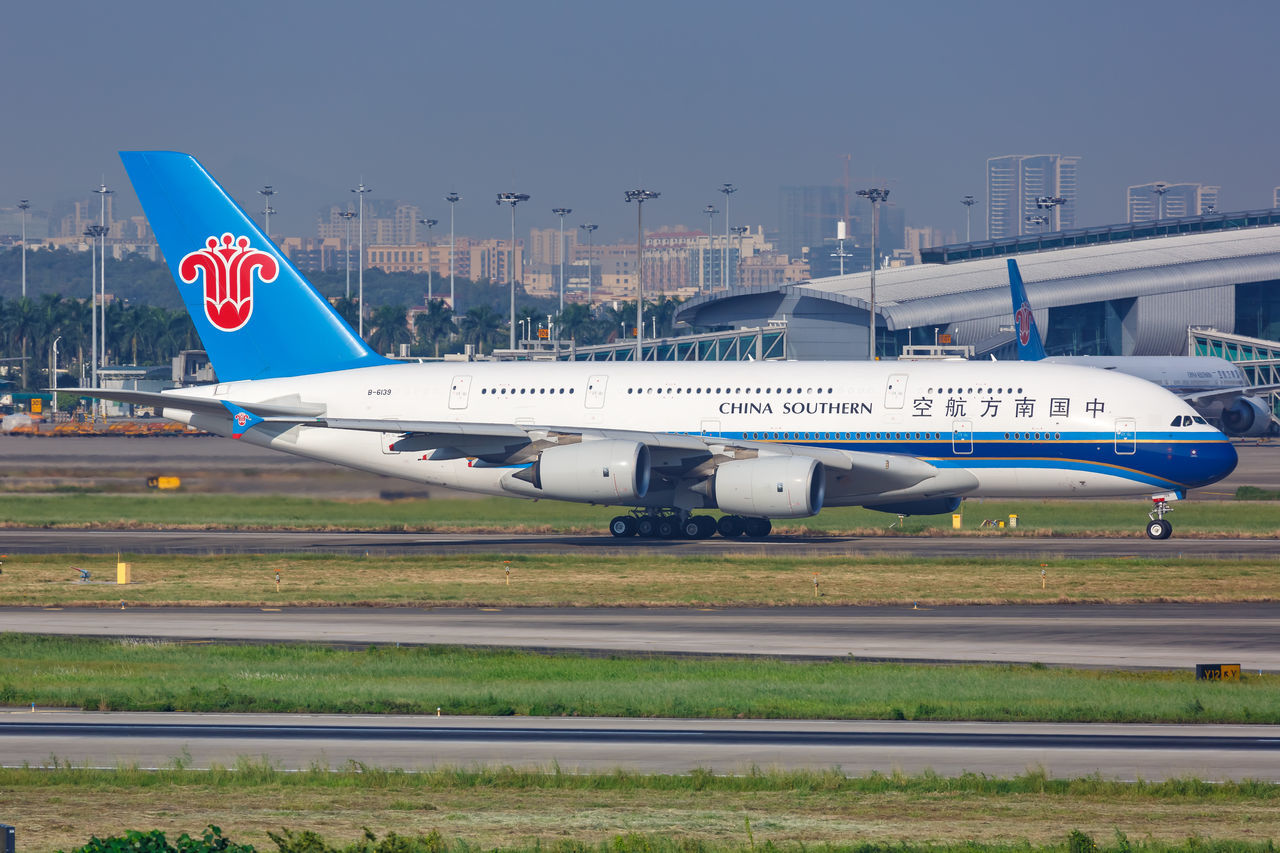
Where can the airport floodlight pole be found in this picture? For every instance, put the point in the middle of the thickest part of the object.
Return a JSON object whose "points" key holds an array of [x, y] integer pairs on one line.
{"points": [[1050, 203], [728, 190], [267, 192], [360, 191], [876, 196], [512, 199], [452, 198], [103, 192], [562, 212], [710, 211], [589, 228], [24, 206], [640, 197], [739, 230], [430, 223], [1038, 220], [1160, 189], [968, 202], [53, 374], [348, 215], [93, 232]]}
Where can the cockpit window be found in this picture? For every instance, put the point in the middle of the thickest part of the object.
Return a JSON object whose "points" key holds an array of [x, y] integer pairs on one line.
{"points": [[1200, 420]]}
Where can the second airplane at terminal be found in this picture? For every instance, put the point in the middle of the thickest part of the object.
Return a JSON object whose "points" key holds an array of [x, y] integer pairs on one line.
{"points": [[756, 441]]}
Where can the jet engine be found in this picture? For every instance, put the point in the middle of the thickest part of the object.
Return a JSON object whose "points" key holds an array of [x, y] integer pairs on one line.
{"points": [[1247, 416], [611, 471], [770, 487]]}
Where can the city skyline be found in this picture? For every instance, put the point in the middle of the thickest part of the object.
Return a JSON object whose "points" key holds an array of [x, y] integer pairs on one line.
{"points": [[437, 99]]}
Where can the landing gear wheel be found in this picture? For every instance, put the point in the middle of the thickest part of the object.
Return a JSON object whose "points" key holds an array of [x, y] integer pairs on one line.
{"points": [[706, 526], [1158, 528], [623, 525], [689, 528], [667, 528], [757, 528], [646, 526], [730, 526]]}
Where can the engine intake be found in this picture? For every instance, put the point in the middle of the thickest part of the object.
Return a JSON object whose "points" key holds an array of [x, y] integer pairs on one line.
{"points": [[770, 487], [1247, 416], [610, 471]]}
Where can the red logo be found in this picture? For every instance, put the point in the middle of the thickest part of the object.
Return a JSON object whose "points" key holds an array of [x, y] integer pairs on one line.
{"points": [[228, 278], [1023, 319], [241, 419]]}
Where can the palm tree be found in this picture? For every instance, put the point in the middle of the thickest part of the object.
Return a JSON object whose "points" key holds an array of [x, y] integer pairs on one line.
{"points": [[481, 325], [620, 322], [434, 323], [390, 328], [576, 322], [349, 310]]}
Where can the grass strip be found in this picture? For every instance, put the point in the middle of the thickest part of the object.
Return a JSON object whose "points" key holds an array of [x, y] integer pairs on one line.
{"points": [[203, 511], [57, 808], [113, 675], [633, 580]]}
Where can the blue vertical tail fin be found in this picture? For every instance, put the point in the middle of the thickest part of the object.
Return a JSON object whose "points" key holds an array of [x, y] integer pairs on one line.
{"points": [[1030, 347], [257, 316]]}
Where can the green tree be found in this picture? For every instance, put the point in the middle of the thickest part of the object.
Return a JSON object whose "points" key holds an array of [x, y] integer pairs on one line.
{"points": [[433, 324], [576, 322], [390, 328], [481, 326]]}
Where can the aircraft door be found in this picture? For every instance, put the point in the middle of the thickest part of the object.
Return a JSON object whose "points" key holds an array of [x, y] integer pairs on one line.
{"points": [[595, 391], [895, 391], [460, 392], [962, 437], [1126, 436]]}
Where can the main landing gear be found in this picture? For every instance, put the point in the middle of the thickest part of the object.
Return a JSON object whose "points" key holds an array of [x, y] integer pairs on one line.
{"points": [[1158, 527], [677, 526]]}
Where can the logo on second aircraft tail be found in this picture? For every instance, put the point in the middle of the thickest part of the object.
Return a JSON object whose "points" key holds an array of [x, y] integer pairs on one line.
{"points": [[228, 267]]}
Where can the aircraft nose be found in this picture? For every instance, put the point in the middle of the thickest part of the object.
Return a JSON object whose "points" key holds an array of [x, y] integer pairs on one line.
{"points": [[1210, 461]]}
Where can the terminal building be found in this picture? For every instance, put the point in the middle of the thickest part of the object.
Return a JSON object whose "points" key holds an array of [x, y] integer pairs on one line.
{"points": [[1137, 289]]}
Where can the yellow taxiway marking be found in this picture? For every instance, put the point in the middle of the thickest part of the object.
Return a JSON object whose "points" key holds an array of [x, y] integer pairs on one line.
{"points": [[270, 609], [53, 608], [490, 609]]}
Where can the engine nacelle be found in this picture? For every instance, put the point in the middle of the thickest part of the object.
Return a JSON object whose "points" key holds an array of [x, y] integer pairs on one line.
{"points": [[1247, 416], [610, 471], [770, 487]]}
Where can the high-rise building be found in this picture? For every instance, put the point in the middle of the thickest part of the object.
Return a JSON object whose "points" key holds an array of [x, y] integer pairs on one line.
{"points": [[1015, 183], [807, 218], [1143, 203], [1275, 199]]}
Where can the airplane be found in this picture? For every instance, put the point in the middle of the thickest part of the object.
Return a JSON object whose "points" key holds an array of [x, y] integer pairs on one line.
{"points": [[670, 441], [1216, 388]]}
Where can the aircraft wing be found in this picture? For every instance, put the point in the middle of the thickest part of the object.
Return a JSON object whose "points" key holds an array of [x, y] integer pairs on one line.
{"points": [[287, 409], [1225, 394], [674, 455]]}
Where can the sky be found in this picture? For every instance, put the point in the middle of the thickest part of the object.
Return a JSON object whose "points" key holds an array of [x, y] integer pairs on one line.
{"points": [[577, 102]]}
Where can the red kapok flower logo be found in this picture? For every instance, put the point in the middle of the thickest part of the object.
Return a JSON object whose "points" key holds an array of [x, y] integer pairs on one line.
{"points": [[228, 278], [1023, 318]]}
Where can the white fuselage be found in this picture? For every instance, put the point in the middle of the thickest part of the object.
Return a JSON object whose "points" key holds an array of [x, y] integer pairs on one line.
{"points": [[1021, 429]]}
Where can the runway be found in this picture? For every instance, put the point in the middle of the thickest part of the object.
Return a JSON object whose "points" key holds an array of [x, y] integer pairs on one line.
{"points": [[28, 541], [1154, 636], [651, 746]]}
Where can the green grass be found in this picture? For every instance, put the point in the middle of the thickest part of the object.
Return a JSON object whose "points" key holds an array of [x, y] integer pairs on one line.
{"points": [[1036, 518], [109, 675]]}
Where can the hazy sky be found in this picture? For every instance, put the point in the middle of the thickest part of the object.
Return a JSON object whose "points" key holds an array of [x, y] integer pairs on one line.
{"points": [[575, 102]]}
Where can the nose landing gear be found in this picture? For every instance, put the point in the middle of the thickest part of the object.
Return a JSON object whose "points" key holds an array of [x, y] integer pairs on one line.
{"points": [[1158, 527]]}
